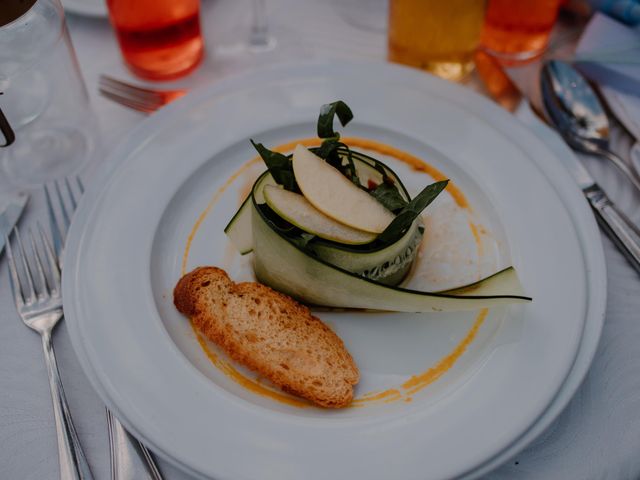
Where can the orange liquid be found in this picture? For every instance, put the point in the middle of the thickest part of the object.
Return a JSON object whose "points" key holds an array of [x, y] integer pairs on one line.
{"points": [[159, 39], [518, 29], [435, 35], [496, 81]]}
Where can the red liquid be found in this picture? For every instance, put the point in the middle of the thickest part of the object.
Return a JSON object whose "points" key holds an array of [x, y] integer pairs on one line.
{"points": [[518, 28], [159, 39]]}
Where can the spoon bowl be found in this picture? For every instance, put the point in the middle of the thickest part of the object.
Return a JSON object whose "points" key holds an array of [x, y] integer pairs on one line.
{"points": [[578, 102], [576, 111]]}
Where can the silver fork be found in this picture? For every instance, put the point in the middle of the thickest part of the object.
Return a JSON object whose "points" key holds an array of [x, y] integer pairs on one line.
{"points": [[38, 300], [66, 209], [142, 99], [124, 449]]}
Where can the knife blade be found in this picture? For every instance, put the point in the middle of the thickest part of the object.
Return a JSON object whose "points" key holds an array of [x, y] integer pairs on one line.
{"points": [[11, 209]]}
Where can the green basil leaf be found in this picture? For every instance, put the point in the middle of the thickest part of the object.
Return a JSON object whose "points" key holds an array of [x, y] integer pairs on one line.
{"points": [[327, 150], [327, 113], [387, 194], [410, 212], [332, 151], [279, 166]]}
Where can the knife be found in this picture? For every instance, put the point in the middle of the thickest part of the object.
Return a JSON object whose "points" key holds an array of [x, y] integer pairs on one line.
{"points": [[10, 211], [622, 231]]}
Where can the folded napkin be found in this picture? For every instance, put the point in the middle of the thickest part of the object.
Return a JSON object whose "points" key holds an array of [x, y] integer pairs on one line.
{"points": [[609, 54], [627, 11]]}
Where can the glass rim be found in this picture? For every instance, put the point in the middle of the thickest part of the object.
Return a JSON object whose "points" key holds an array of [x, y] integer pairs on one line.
{"points": [[56, 3]]}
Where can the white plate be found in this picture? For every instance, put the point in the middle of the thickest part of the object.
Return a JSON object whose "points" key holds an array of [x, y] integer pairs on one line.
{"points": [[129, 236], [87, 8]]}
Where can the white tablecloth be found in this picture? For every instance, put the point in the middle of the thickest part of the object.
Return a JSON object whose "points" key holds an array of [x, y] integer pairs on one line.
{"points": [[596, 437]]}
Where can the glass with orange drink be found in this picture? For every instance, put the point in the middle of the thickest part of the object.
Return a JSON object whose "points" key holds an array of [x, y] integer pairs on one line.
{"points": [[159, 39], [519, 30], [439, 36]]}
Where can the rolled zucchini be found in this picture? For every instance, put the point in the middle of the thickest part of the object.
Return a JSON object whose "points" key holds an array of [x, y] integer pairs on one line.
{"points": [[310, 246], [287, 267]]}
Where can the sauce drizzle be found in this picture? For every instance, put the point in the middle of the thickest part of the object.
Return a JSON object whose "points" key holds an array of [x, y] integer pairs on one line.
{"points": [[416, 382]]}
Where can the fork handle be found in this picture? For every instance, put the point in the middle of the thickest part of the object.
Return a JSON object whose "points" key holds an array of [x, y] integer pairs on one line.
{"points": [[130, 459], [73, 462]]}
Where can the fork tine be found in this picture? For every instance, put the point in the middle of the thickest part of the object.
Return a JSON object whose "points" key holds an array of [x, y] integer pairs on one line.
{"points": [[124, 87], [16, 288], [63, 208], [141, 107], [31, 292], [53, 221], [72, 197], [80, 185], [41, 276], [54, 269], [135, 96]]}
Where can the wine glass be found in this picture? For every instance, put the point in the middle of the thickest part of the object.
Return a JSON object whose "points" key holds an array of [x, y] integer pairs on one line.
{"points": [[260, 39]]}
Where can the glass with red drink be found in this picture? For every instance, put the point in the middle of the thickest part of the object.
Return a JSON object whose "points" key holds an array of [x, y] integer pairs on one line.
{"points": [[518, 30], [159, 39]]}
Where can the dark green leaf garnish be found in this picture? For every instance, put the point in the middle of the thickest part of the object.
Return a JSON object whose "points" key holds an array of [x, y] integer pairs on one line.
{"points": [[334, 152], [387, 194], [325, 119], [279, 166], [410, 212]]}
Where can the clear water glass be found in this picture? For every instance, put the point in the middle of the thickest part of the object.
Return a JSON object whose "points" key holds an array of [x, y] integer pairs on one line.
{"points": [[43, 97]]}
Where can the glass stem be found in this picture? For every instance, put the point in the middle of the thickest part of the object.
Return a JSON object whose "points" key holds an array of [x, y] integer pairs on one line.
{"points": [[259, 36]]}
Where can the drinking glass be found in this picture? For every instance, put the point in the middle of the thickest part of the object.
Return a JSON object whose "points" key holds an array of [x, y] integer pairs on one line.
{"points": [[159, 39], [260, 39], [440, 36], [43, 97], [368, 15], [517, 31]]}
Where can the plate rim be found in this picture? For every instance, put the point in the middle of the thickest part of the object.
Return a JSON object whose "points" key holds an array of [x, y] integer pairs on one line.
{"points": [[586, 353], [111, 166]]}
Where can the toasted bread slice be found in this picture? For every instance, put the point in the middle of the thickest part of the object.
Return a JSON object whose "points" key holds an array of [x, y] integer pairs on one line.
{"points": [[271, 334]]}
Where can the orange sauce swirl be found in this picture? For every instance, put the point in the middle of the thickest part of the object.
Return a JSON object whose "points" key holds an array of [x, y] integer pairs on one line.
{"points": [[416, 382]]}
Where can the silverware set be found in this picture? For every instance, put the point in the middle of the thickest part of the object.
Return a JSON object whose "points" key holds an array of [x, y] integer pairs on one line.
{"points": [[35, 266], [577, 114]]}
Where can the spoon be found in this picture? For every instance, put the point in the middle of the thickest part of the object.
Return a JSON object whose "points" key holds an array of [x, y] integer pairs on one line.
{"points": [[577, 113]]}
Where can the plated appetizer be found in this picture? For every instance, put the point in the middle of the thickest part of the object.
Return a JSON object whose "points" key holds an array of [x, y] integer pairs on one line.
{"points": [[333, 227]]}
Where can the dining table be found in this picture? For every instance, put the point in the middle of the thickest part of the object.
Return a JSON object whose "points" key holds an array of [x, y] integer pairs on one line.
{"points": [[597, 436]]}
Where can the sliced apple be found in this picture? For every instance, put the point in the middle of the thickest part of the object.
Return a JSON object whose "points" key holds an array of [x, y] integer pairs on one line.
{"points": [[295, 209], [335, 196]]}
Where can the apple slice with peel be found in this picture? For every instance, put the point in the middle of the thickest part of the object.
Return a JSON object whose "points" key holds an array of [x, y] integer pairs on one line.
{"points": [[336, 196], [295, 209]]}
